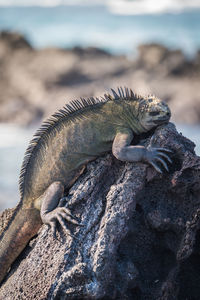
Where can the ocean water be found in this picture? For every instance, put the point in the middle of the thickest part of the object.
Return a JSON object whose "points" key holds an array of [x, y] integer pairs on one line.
{"points": [[13, 143], [114, 26]]}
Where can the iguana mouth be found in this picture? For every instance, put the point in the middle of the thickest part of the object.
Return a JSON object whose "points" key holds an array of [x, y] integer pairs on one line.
{"points": [[162, 120]]}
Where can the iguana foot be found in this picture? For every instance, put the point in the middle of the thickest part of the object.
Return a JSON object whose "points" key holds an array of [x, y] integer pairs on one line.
{"points": [[59, 214], [153, 155], [53, 211]]}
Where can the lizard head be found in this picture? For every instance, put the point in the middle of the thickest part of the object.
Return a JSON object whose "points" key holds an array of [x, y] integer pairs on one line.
{"points": [[153, 112]]}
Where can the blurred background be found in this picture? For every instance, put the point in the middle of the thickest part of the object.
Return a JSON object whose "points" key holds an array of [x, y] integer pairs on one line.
{"points": [[54, 51]]}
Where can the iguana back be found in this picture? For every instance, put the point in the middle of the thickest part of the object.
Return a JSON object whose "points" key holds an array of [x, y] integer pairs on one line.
{"points": [[69, 139]]}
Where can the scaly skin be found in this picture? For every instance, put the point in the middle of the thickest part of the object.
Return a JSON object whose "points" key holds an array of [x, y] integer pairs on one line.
{"points": [[63, 146]]}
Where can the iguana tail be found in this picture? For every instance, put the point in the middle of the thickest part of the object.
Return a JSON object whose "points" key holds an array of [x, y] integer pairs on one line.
{"points": [[22, 227]]}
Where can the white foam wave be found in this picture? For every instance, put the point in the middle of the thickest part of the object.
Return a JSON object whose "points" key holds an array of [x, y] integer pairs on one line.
{"points": [[137, 7], [123, 7], [51, 2]]}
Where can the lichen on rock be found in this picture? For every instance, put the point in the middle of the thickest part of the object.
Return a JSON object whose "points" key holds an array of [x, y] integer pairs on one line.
{"points": [[140, 238]]}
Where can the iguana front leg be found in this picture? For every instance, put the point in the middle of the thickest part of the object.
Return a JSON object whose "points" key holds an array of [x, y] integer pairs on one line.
{"points": [[52, 212], [122, 150]]}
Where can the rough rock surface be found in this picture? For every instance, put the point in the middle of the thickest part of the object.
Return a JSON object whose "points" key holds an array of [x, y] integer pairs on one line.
{"points": [[141, 238]]}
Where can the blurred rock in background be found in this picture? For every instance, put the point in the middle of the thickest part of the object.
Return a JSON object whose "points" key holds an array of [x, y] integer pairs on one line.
{"points": [[35, 83]]}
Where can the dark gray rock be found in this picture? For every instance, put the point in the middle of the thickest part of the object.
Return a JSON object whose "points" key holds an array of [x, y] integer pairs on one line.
{"points": [[141, 237]]}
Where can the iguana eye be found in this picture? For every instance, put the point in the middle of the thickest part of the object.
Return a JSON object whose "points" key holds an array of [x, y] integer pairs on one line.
{"points": [[153, 113]]}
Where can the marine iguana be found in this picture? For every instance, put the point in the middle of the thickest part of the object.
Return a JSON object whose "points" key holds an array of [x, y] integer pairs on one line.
{"points": [[65, 143]]}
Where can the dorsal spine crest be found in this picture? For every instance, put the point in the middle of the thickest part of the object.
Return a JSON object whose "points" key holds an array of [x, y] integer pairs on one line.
{"points": [[69, 111]]}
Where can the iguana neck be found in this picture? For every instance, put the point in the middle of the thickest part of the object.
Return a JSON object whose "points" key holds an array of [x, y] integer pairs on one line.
{"points": [[125, 115], [132, 119]]}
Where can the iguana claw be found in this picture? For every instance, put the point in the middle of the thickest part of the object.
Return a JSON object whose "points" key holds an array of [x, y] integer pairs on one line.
{"points": [[52, 225], [162, 162], [156, 167], [163, 149], [154, 154], [166, 156]]}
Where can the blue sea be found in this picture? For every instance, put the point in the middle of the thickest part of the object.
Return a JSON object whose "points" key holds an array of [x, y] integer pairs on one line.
{"points": [[118, 29]]}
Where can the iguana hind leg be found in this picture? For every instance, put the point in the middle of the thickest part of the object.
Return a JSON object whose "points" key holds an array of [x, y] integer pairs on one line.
{"points": [[51, 212]]}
